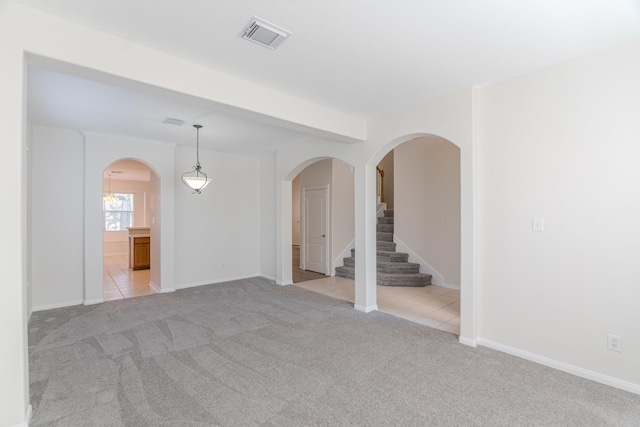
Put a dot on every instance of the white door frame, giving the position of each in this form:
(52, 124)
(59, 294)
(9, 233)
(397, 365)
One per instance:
(303, 231)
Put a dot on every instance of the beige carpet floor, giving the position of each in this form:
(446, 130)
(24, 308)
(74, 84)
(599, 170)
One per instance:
(250, 353)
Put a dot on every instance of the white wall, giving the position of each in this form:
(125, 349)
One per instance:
(28, 165)
(268, 216)
(562, 144)
(155, 229)
(14, 387)
(218, 232)
(427, 203)
(342, 212)
(319, 173)
(57, 216)
(295, 211)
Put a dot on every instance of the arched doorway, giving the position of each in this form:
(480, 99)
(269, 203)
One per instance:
(126, 237)
(322, 225)
(425, 220)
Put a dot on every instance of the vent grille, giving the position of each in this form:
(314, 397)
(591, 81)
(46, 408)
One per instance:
(264, 33)
(172, 121)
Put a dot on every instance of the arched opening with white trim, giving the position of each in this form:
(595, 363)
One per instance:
(466, 229)
(418, 239)
(126, 241)
(101, 151)
(322, 210)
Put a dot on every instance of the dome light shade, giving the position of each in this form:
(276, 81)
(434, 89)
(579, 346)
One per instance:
(196, 182)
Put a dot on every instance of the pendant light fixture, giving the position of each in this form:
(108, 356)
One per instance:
(196, 179)
(110, 197)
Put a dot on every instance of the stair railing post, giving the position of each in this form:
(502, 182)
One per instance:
(381, 184)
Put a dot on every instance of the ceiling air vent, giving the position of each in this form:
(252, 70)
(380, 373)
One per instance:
(264, 33)
(172, 121)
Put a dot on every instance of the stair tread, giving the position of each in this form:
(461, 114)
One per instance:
(386, 253)
(408, 275)
(389, 275)
(392, 268)
(408, 264)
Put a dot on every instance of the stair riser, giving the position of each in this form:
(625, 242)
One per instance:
(400, 280)
(384, 256)
(384, 237)
(388, 213)
(398, 268)
(395, 257)
(384, 228)
(346, 273)
(386, 246)
(385, 220)
(388, 267)
(414, 280)
(392, 258)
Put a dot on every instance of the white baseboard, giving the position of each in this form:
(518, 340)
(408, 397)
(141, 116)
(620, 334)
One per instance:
(93, 301)
(467, 341)
(561, 366)
(57, 305)
(266, 276)
(450, 286)
(284, 283)
(27, 418)
(366, 309)
(160, 290)
(425, 267)
(214, 281)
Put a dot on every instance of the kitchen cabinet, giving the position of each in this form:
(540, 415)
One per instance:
(141, 252)
(139, 248)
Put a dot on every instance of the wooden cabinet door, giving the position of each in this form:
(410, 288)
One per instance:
(141, 253)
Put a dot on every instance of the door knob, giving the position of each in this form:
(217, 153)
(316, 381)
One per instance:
(323, 235)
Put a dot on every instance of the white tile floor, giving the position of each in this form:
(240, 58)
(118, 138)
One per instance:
(432, 305)
(120, 282)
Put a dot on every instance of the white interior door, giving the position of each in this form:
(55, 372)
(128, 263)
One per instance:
(315, 230)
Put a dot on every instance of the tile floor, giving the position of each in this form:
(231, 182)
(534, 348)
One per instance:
(432, 305)
(120, 282)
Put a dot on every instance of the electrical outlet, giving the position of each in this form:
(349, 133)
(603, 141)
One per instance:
(614, 343)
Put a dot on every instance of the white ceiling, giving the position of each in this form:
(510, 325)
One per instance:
(362, 57)
(69, 102)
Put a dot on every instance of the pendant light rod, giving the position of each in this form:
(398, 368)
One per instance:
(198, 127)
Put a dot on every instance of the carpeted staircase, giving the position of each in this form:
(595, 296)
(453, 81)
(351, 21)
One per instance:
(393, 268)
